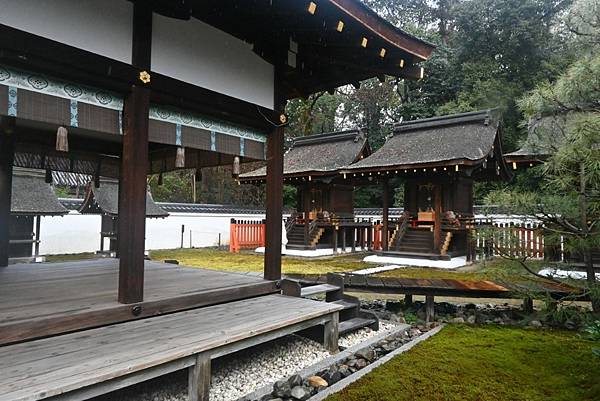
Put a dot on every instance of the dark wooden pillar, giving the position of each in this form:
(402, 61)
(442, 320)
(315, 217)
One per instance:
(335, 240)
(272, 270)
(6, 170)
(134, 167)
(386, 215)
(344, 240)
(38, 227)
(306, 207)
(132, 196)
(437, 225)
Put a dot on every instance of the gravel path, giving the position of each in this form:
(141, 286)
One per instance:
(242, 372)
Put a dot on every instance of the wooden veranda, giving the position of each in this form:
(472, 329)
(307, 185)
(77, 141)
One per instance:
(122, 89)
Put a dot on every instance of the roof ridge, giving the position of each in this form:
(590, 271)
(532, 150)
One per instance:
(440, 121)
(329, 137)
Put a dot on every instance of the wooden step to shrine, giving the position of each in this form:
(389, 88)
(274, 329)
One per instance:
(353, 317)
(354, 324)
(318, 289)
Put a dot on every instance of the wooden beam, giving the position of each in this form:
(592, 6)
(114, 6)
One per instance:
(6, 170)
(386, 214)
(134, 167)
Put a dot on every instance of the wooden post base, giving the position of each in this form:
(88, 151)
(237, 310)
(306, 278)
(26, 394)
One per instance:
(330, 334)
(408, 300)
(429, 308)
(528, 305)
(199, 378)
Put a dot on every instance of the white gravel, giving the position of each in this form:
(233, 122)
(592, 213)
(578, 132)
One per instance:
(361, 335)
(236, 375)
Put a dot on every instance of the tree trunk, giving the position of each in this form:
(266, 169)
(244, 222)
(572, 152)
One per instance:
(587, 251)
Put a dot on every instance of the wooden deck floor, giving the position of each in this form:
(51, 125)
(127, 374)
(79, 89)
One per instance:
(92, 362)
(38, 300)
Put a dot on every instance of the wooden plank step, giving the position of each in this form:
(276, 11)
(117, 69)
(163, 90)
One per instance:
(345, 304)
(318, 289)
(58, 365)
(354, 324)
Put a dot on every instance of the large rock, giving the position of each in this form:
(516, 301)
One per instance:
(301, 393)
(336, 377)
(471, 319)
(361, 363)
(366, 353)
(457, 320)
(535, 323)
(317, 382)
(282, 389)
(344, 370)
(295, 380)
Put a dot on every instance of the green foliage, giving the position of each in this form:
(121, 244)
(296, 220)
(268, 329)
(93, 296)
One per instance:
(176, 187)
(290, 197)
(582, 23)
(592, 331)
(62, 191)
(313, 115)
(577, 90)
(568, 202)
(464, 363)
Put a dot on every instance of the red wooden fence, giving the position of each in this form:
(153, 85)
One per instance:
(246, 234)
(509, 239)
(377, 237)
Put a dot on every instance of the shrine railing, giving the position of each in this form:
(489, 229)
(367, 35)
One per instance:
(246, 234)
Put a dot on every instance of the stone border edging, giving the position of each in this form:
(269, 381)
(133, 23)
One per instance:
(360, 373)
(333, 359)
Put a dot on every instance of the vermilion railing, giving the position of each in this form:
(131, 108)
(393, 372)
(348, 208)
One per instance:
(377, 237)
(246, 234)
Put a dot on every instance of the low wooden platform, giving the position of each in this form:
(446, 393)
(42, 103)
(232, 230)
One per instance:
(441, 287)
(38, 300)
(81, 365)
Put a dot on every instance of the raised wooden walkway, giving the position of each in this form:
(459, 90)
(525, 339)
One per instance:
(85, 364)
(37, 300)
(441, 287)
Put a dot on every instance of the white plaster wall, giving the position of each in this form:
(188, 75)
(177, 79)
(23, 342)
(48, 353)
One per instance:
(199, 54)
(205, 229)
(98, 26)
(78, 233)
(73, 233)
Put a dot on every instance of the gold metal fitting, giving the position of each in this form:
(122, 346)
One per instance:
(283, 118)
(144, 77)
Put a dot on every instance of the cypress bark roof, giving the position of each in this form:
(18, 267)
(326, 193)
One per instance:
(466, 138)
(105, 200)
(32, 196)
(320, 154)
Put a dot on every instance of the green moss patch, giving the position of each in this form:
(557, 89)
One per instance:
(246, 262)
(496, 269)
(464, 363)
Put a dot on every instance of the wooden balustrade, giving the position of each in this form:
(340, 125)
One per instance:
(246, 234)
